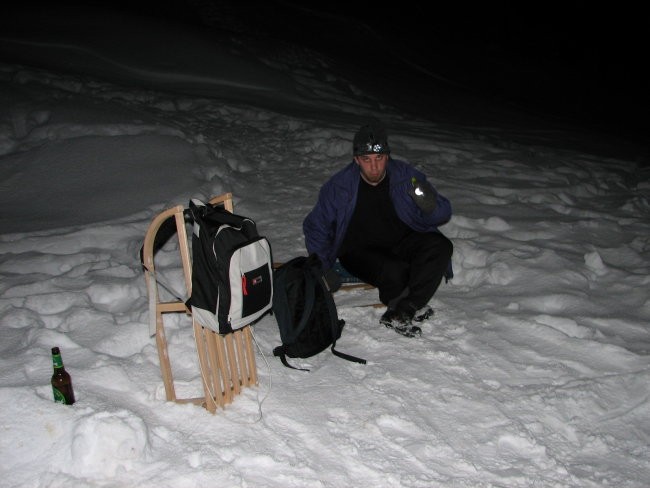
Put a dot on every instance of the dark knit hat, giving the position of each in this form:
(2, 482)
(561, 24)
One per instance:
(370, 139)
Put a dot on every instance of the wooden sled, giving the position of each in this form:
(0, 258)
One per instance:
(226, 362)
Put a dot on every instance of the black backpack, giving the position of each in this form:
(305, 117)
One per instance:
(305, 311)
(232, 269)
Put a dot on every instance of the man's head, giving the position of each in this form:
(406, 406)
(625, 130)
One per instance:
(371, 150)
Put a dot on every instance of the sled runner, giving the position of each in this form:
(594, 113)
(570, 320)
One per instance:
(226, 361)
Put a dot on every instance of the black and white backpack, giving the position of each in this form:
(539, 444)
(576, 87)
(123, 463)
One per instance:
(232, 269)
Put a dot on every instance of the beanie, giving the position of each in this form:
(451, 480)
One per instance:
(370, 139)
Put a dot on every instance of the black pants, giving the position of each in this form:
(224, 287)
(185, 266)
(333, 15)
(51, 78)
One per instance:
(413, 269)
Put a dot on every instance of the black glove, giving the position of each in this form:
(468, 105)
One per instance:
(424, 195)
(333, 279)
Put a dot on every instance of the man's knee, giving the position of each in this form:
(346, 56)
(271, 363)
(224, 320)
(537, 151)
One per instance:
(438, 246)
(394, 272)
(447, 247)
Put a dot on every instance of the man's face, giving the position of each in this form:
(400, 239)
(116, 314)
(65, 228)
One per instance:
(373, 167)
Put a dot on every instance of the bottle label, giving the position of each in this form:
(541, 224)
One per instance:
(56, 359)
(58, 396)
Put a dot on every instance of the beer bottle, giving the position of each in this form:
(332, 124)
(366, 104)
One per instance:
(61, 382)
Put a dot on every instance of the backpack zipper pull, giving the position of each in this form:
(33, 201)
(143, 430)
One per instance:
(244, 285)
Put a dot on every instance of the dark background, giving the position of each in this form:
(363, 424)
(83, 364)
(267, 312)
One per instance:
(573, 62)
(579, 61)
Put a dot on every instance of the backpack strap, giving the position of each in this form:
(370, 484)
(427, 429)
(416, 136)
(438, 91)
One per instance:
(347, 357)
(310, 297)
(279, 352)
(337, 324)
(280, 295)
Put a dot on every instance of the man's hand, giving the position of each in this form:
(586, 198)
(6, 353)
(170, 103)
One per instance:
(424, 195)
(333, 279)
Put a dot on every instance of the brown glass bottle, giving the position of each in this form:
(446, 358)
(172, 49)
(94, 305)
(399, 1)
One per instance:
(61, 382)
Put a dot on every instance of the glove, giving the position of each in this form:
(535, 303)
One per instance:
(333, 279)
(424, 195)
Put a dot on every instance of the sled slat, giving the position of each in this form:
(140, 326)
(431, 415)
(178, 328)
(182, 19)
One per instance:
(172, 307)
(222, 375)
(232, 364)
(241, 359)
(251, 367)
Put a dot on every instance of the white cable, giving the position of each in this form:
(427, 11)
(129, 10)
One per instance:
(268, 366)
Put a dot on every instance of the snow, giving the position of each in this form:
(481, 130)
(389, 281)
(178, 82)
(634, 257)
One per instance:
(534, 371)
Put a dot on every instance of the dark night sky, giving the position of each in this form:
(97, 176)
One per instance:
(572, 60)
(577, 60)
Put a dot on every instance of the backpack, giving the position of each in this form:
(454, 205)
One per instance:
(305, 311)
(232, 269)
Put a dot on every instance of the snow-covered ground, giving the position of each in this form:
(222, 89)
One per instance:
(534, 371)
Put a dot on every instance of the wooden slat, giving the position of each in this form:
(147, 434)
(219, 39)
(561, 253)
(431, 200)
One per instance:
(224, 374)
(250, 355)
(242, 370)
(214, 372)
(210, 397)
(164, 307)
(163, 358)
(233, 377)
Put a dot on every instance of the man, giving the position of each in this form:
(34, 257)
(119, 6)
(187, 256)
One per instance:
(379, 216)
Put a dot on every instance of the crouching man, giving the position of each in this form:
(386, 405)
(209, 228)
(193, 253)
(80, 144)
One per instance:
(379, 217)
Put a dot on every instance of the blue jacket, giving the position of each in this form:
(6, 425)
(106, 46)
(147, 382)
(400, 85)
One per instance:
(325, 226)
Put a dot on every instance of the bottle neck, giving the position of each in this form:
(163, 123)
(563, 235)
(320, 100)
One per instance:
(57, 361)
